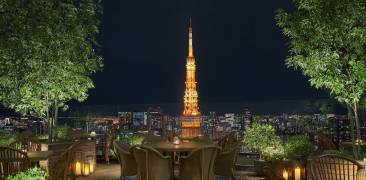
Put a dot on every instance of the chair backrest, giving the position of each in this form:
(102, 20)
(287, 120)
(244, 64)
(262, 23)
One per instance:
(126, 159)
(59, 169)
(270, 174)
(333, 167)
(151, 164)
(324, 142)
(12, 161)
(226, 141)
(199, 164)
(225, 162)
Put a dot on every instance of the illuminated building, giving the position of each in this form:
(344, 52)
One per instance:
(191, 118)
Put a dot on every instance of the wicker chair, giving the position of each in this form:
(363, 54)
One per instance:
(333, 167)
(225, 162)
(270, 174)
(12, 161)
(59, 170)
(199, 164)
(151, 164)
(226, 142)
(325, 143)
(126, 160)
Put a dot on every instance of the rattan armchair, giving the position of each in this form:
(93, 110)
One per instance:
(60, 169)
(333, 167)
(199, 164)
(225, 162)
(151, 164)
(226, 142)
(12, 161)
(126, 159)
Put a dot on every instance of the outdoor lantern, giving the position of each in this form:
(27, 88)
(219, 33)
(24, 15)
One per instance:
(86, 169)
(285, 174)
(176, 140)
(297, 173)
(92, 166)
(77, 168)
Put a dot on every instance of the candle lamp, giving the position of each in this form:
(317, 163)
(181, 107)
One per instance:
(297, 173)
(77, 168)
(285, 174)
(92, 166)
(176, 140)
(86, 169)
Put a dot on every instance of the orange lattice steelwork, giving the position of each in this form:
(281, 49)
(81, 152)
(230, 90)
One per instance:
(191, 108)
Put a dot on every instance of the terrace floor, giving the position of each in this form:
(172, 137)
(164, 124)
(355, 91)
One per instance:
(112, 172)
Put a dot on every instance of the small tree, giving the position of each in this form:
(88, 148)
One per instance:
(47, 54)
(327, 42)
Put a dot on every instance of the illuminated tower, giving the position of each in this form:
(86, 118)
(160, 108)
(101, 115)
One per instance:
(190, 93)
(191, 119)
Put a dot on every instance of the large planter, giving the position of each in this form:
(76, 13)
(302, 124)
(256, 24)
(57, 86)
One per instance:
(258, 167)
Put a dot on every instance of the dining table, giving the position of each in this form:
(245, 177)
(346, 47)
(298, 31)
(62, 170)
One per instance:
(176, 150)
(183, 146)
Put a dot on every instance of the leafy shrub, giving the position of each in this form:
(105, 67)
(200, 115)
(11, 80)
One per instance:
(42, 137)
(273, 153)
(298, 145)
(7, 139)
(131, 139)
(33, 173)
(62, 132)
(263, 138)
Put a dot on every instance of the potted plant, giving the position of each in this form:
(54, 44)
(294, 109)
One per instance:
(263, 139)
(298, 147)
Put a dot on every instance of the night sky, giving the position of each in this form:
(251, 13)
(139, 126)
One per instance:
(239, 52)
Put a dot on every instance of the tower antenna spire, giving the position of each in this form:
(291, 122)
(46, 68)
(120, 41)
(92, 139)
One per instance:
(190, 21)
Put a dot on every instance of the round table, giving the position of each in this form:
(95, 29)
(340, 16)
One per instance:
(166, 146)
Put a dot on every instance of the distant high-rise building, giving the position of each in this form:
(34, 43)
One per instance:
(155, 120)
(139, 119)
(247, 118)
(191, 118)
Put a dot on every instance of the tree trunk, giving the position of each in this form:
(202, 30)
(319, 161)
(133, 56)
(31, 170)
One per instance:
(55, 113)
(358, 130)
(48, 119)
(352, 125)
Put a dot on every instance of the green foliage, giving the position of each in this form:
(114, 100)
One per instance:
(327, 43)
(273, 153)
(6, 140)
(33, 173)
(43, 137)
(298, 145)
(327, 40)
(62, 132)
(131, 139)
(47, 53)
(263, 138)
